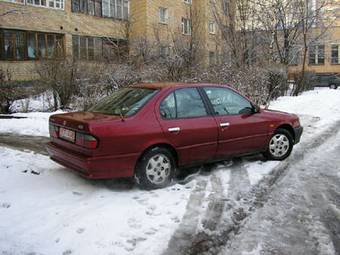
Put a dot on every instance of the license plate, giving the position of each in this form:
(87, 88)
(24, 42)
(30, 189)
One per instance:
(67, 134)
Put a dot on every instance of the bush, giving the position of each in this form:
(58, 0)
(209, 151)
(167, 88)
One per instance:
(303, 82)
(59, 76)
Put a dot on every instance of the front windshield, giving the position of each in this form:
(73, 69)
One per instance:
(126, 101)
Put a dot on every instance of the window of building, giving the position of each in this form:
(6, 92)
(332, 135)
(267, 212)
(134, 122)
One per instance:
(56, 4)
(317, 55)
(96, 48)
(163, 15)
(294, 55)
(15, 1)
(164, 50)
(188, 1)
(212, 27)
(106, 8)
(25, 45)
(212, 58)
(186, 26)
(335, 54)
(225, 7)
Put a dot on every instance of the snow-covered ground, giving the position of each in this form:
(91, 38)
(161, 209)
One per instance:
(48, 210)
(33, 123)
(45, 209)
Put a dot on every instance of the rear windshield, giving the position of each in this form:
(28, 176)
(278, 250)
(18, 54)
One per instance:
(126, 101)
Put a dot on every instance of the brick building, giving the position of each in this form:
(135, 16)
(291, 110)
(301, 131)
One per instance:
(93, 29)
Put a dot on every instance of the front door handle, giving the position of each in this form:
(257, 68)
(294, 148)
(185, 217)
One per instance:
(174, 129)
(224, 124)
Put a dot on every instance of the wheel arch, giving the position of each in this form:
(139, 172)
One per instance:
(289, 128)
(167, 146)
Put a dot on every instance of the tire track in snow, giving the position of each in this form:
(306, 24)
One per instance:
(246, 202)
(215, 205)
(187, 228)
(215, 226)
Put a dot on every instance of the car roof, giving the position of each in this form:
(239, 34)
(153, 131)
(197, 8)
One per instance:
(163, 85)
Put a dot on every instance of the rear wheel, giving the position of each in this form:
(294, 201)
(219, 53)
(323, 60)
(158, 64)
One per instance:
(280, 145)
(333, 86)
(156, 169)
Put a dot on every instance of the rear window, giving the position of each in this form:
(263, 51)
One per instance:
(126, 101)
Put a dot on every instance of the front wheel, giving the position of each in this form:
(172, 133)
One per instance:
(156, 169)
(280, 145)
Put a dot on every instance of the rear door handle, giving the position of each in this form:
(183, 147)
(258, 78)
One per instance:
(224, 124)
(174, 129)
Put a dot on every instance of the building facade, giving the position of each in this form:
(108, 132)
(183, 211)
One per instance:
(323, 56)
(92, 30)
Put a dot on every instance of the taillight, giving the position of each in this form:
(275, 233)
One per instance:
(87, 141)
(54, 130)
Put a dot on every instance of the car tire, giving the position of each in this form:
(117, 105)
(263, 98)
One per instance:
(280, 145)
(156, 169)
(333, 86)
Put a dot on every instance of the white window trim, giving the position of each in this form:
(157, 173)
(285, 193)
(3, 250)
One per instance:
(187, 1)
(115, 3)
(62, 2)
(338, 46)
(213, 31)
(14, 2)
(316, 54)
(186, 21)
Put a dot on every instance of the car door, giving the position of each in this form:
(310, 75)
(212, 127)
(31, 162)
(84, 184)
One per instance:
(188, 126)
(241, 130)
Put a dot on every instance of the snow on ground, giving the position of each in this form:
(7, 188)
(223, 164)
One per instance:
(256, 170)
(34, 123)
(37, 103)
(46, 209)
(320, 103)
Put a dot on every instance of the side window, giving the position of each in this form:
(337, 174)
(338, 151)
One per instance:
(226, 101)
(189, 103)
(168, 107)
(183, 103)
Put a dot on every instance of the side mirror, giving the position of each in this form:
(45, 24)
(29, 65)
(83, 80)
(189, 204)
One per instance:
(256, 109)
(247, 111)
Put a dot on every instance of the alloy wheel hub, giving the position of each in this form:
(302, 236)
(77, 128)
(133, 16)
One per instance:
(158, 169)
(279, 145)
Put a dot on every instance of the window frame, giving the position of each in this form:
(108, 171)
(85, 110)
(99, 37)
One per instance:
(315, 51)
(212, 24)
(186, 26)
(187, 1)
(26, 34)
(107, 8)
(166, 15)
(47, 4)
(202, 97)
(337, 47)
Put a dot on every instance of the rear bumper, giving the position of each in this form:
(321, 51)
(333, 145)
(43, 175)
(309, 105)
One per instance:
(92, 167)
(297, 134)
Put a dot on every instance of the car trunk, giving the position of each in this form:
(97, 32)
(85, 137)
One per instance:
(75, 131)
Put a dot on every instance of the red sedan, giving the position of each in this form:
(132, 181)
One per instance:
(149, 130)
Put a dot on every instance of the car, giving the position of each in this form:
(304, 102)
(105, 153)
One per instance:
(147, 131)
(327, 80)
